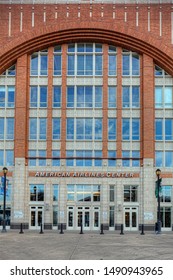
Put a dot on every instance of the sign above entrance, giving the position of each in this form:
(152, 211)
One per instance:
(85, 174)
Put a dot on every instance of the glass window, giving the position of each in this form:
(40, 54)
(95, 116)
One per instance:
(112, 97)
(57, 65)
(39, 63)
(166, 194)
(43, 97)
(159, 129)
(42, 129)
(159, 158)
(130, 193)
(168, 129)
(135, 129)
(36, 192)
(56, 96)
(11, 96)
(98, 97)
(9, 161)
(56, 128)
(70, 128)
(111, 216)
(168, 159)
(56, 158)
(70, 193)
(34, 64)
(43, 64)
(168, 97)
(70, 158)
(112, 158)
(32, 157)
(87, 57)
(166, 217)
(130, 63)
(98, 158)
(55, 192)
(9, 128)
(135, 97)
(126, 158)
(2, 96)
(135, 158)
(158, 97)
(70, 96)
(1, 157)
(33, 96)
(126, 129)
(41, 157)
(1, 128)
(41, 133)
(111, 193)
(111, 129)
(135, 64)
(112, 64)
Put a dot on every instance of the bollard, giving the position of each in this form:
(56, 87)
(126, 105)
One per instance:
(142, 229)
(101, 232)
(121, 230)
(61, 229)
(81, 229)
(21, 228)
(41, 229)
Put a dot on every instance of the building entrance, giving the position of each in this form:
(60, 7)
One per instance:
(36, 217)
(88, 217)
(131, 218)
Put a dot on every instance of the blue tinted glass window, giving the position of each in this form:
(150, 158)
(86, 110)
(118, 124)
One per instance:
(11, 96)
(57, 65)
(135, 97)
(98, 65)
(112, 158)
(9, 157)
(98, 158)
(168, 129)
(34, 64)
(70, 128)
(126, 65)
(56, 96)
(41, 156)
(135, 64)
(33, 96)
(70, 160)
(112, 97)
(43, 65)
(56, 129)
(98, 97)
(126, 129)
(2, 96)
(43, 97)
(159, 158)
(158, 97)
(169, 159)
(98, 129)
(126, 158)
(159, 129)
(112, 64)
(135, 129)
(32, 158)
(43, 130)
(70, 96)
(71, 64)
(55, 158)
(33, 129)
(10, 128)
(126, 97)
(112, 129)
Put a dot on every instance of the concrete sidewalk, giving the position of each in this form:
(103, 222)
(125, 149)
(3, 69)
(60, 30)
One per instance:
(88, 246)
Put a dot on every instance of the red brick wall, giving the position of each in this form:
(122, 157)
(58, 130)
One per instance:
(101, 26)
(107, 23)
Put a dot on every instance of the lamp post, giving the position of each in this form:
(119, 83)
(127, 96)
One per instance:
(5, 170)
(158, 173)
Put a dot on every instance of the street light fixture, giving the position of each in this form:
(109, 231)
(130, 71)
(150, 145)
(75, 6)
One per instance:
(5, 170)
(158, 173)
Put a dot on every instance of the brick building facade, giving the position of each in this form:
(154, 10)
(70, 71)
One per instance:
(86, 113)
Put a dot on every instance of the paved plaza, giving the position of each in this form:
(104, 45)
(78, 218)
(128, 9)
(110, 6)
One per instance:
(51, 245)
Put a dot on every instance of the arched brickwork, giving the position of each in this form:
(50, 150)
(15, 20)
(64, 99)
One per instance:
(119, 36)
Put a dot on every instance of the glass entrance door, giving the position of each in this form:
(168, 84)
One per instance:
(36, 217)
(83, 217)
(131, 218)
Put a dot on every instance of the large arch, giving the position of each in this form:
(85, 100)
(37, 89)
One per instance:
(124, 37)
